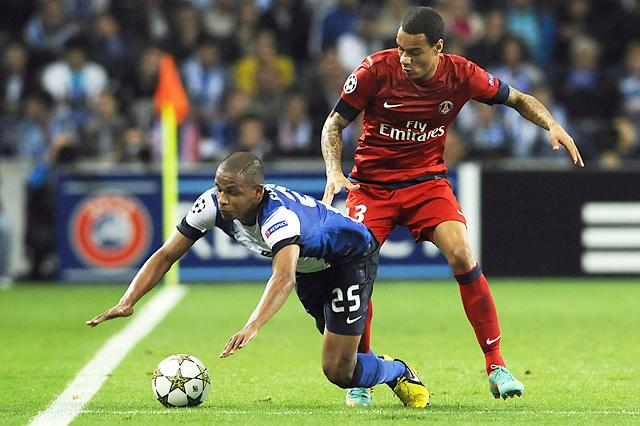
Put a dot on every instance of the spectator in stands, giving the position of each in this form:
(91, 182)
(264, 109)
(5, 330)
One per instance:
(462, 23)
(138, 89)
(486, 52)
(135, 148)
(48, 31)
(252, 137)
(591, 96)
(269, 99)
(84, 12)
(515, 68)
(245, 33)
(186, 32)
(627, 125)
(536, 27)
(49, 141)
(392, 12)
(16, 78)
(353, 47)
(601, 20)
(529, 140)
(39, 127)
(484, 132)
(109, 46)
(225, 131)
(339, 20)
(323, 86)
(103, 134)
(249, 70)
(290, 21)
(220, 20)
(205, 79)
(75, 82)
(295, 129)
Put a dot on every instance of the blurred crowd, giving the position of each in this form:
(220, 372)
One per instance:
(77, 77)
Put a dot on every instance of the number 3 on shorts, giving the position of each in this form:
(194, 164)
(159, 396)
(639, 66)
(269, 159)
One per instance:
(358, 215)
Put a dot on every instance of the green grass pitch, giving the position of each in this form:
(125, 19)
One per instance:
(574, 343)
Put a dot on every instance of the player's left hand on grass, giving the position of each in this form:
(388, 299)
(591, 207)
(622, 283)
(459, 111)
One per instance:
(559, 136)
(115, 312)
(238, 341)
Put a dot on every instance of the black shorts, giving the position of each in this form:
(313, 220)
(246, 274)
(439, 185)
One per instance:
(340, 295)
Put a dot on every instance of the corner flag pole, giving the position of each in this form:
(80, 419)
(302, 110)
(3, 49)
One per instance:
(172, 103)
(169, 181)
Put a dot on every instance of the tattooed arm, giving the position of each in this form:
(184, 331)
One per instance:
(532, 109)
(331, 142)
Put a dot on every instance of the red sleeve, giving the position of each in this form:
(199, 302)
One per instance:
(360, 86)
(483, 86)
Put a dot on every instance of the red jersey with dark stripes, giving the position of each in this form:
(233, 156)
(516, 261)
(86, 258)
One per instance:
(406, 121)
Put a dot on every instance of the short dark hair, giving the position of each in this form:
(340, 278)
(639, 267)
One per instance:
(246, 165)
(424, 20)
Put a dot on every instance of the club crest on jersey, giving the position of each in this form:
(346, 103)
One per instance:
(351, 83)
(445, 107)
(492, 79)
(275, 227)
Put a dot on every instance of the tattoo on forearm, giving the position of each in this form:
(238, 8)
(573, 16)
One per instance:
(331, 141)
(532, 109)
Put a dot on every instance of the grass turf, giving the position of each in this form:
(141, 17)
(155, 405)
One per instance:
(575, 344)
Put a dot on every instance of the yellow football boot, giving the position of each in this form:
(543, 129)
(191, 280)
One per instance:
(409, 388)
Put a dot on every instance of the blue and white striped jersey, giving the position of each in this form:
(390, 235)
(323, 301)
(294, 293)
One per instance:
(326, 237)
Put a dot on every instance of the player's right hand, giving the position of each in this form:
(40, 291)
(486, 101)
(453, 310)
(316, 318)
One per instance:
(115, 312)
(335, 182)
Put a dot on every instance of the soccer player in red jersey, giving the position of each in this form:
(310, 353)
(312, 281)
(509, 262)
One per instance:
(408, 98)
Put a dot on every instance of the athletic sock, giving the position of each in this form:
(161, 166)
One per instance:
(371, 370)
(481, 312)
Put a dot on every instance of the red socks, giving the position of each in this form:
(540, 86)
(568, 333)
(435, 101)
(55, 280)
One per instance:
(481, 312)
(365, 341)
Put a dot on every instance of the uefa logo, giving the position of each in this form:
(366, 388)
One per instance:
(110, 230)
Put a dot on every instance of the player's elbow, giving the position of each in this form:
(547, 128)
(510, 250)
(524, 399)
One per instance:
(166, 257)
(286, 281)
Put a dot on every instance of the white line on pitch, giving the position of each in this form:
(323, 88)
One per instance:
(323, 411)
(89, 380)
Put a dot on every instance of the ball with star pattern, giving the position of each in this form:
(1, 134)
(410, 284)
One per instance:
(181, 380)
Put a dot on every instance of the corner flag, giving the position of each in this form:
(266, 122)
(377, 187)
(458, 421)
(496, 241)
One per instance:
(172, 103)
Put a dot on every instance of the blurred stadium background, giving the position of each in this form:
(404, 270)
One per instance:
(80, 143)
(81, 201)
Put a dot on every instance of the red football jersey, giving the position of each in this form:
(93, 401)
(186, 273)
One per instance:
(405, 121)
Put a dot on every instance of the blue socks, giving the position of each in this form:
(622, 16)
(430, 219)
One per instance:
(371, 370)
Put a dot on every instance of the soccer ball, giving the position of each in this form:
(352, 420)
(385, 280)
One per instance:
(181, 380)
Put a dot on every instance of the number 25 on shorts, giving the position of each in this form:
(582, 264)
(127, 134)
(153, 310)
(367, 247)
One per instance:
(358, 214)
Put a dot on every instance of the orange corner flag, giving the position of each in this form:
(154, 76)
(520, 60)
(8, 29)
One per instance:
(170, 89)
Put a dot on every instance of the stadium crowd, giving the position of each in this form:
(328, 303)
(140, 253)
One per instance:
(77, 78)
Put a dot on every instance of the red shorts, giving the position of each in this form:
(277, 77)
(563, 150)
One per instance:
(419, 207)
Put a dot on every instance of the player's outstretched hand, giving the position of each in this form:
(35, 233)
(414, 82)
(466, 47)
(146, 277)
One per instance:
(115, 312)
(559, 136)
(335, 182)
(238, 341)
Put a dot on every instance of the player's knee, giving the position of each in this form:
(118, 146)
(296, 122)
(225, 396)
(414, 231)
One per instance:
(338, 371)
(461, 259)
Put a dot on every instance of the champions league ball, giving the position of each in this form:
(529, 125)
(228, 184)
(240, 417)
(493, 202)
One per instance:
(181, 381)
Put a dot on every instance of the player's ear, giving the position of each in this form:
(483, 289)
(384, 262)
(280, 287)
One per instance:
(438, 46)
